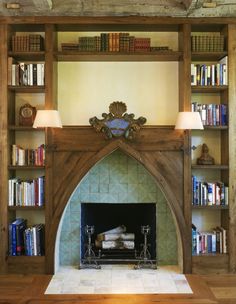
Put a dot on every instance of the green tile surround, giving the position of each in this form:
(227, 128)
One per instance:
(118, 178)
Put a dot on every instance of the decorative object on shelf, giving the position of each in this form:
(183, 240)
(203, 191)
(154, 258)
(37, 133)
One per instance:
(89, 260)
(117, 123)
(145, 260)
(189, 120)
(205, 158)
(47, 118)
(27, 115)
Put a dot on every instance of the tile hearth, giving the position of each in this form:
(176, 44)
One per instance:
(118, 279)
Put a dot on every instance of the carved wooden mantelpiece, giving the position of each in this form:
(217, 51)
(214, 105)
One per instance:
(77, 149)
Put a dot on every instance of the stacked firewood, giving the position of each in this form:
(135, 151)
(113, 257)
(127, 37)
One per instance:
(116, 238)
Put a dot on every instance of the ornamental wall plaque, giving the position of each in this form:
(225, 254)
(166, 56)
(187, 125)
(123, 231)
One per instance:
(117, 122)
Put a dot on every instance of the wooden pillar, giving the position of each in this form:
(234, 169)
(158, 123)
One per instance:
(185, 105)
(232, 146)
(3, 150)
(50, 103)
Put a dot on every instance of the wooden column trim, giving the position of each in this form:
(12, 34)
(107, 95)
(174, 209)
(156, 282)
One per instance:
(185, 105)
(3, 150)
(232, 146)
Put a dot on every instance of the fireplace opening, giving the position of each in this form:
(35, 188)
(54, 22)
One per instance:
(126, 221)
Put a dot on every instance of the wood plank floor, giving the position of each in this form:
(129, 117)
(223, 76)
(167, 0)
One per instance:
(29, 289)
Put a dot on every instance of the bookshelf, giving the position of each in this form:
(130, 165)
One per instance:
(57, 30)
(207, 217)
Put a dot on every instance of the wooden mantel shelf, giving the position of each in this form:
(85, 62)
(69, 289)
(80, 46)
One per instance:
(109, 56)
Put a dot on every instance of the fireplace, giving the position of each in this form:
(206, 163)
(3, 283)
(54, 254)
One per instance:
(128, 216)
(118, 191)
(86, 167)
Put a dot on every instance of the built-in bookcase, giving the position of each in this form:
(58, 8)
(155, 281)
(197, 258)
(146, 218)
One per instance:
(211, 218)
(68, 30)
(26, 60)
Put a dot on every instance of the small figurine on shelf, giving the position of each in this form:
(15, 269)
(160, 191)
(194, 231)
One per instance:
(205, 158)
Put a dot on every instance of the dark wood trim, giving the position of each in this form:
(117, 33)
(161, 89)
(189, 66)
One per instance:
(208, 89)
(27, 89)
(25, 208)
(3, 149)
(211, 167)
(232, 147)
(107, 20)
(100, 56)
(26, 167)
(214, 207)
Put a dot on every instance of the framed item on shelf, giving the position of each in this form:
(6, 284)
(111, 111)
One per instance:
(27, 115)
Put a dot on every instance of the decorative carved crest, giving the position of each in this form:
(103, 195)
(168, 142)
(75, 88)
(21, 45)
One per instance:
(117, 123)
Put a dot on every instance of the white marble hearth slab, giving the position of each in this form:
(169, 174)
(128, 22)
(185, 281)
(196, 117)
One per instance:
(118, 279)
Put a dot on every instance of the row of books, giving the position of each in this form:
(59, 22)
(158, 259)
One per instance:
(209, 193)
(27, 43)
(112, 42)
(28, 157)
(25, 74)
(207, 43)
(25, 240)
(210, 74)
(214, 241)
(26, 193)
(212, 114)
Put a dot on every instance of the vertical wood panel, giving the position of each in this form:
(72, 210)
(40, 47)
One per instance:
(185, 105)
(50, 103)
(3, 149)
(232, 146)
(185, 68)
(50, 67)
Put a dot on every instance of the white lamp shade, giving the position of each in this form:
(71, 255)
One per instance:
(189, 120)
(47, 118)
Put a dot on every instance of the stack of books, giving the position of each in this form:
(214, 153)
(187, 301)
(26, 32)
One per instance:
(212, 114)
(25, 74)
(210, 242)
(27, 43)
(209, 193)
(210, 74)
(70, 46)
(28, 157)
(26, 193)
(207, 43)
(26, 241)
(113, 42)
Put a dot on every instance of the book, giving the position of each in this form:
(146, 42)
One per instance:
(16, 230)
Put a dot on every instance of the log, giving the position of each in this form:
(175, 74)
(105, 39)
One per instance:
(119, 229)
(115, 244)
(116, 237)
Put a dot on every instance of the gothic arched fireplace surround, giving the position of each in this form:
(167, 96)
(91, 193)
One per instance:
(73, 151)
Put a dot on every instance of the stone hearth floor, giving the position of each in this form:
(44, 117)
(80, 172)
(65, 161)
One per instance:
(118, 279)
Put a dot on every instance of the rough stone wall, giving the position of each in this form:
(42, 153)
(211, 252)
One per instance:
(174, 8)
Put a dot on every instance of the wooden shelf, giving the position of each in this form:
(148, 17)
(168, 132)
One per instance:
(211, 167)
(216, 128)
(112, 56)
(24, 128)
(210, 263)
(25, 208)
(26, 264)
(208, 56)
(208, 89)
(214, 207)
(27, 89)
(26, 167)
(32, 56)
(213, 255)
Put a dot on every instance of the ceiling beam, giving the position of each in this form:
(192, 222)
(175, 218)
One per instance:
(187, 3)
(43, 4)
